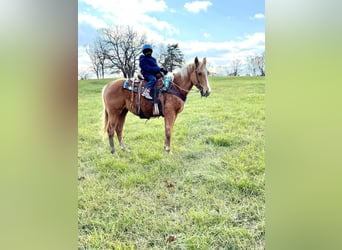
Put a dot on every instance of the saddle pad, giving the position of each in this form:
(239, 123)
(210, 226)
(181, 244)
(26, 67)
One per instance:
(128, 85)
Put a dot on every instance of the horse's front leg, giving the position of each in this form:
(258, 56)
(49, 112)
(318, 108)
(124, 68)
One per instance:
(169, 122)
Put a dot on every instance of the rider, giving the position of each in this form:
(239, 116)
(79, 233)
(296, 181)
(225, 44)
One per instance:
(149, 69)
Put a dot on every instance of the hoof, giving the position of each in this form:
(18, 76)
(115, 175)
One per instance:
(112, 151)
(125, 149)
(168, 150)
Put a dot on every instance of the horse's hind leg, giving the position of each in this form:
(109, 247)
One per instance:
(113, 121)
(119, 128)
(110, 139)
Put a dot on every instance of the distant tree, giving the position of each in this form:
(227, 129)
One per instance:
(251, 65)
(261, 64)
(83, 74)
(171, 57)
(97, 54)
(122, 47)
(256, 64)
(235, 65)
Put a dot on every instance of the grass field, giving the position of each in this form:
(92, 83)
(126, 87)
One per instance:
(209, 194)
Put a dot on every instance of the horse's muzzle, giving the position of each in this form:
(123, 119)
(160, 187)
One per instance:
(205, 93)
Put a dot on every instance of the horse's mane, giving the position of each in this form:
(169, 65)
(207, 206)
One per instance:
(185, 71)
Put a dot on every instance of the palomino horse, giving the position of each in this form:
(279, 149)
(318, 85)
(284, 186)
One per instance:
(117, 101)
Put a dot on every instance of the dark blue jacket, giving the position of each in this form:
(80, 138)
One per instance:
(148, 65)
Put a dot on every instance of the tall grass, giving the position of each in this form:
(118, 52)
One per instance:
(209, 194)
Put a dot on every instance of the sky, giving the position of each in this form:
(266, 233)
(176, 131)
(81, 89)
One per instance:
(220, 30)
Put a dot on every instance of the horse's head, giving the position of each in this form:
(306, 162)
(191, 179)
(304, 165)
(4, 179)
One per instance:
(199, 77)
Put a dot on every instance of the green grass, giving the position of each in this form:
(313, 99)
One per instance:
(209, 194)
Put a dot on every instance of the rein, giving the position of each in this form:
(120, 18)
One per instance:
(176, 92)
(187, 91)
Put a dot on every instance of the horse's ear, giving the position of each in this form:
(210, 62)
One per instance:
(204, 60)
(196, 61)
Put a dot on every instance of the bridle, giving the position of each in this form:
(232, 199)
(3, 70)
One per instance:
(198, 84)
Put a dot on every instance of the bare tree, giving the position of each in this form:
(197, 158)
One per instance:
(83, 74)
(253, 65)
(261, 63)
(97, 54)
(250, 65)
(235, 65)
(122, 49)
(94, 61)
(256, 64)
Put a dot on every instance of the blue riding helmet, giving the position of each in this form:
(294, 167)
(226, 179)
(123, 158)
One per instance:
(147, 46)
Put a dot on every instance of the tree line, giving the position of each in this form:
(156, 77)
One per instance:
(255, 66)
(116, 51)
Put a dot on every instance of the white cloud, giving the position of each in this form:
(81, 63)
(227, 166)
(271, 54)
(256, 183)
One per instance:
(160, 25)
(206, 35)
(127, 8)
(222, 53)
(92, 20)
(258, 16)
(257, 41)
(254, 41)
(133, 13)
(197, 6)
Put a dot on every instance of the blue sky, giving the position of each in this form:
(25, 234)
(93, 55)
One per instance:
(221, 30)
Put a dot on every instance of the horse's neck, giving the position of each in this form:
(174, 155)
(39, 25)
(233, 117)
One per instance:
(183, 82)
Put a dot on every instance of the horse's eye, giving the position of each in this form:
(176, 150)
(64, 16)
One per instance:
(199, 73)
